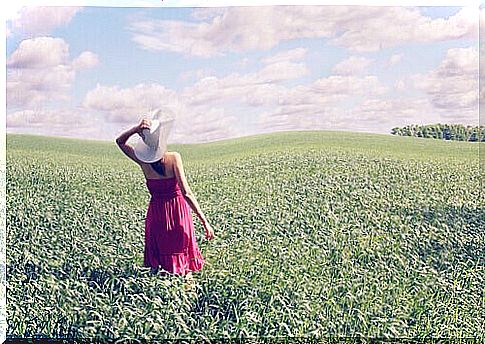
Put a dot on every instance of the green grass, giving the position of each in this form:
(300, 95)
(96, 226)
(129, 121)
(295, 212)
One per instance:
(318, 233)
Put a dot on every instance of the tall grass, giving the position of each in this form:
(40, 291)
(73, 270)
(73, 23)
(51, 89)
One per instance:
(317, 233)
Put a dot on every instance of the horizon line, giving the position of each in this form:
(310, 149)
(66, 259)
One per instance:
(212, 141)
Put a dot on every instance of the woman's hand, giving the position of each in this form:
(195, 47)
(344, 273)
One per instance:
(136, 129)
(144, 124)
(209, 232)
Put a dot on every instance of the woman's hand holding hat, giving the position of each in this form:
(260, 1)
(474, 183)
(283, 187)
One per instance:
(153, 131)
(144, 124)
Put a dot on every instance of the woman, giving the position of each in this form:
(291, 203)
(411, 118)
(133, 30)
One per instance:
(169, 230)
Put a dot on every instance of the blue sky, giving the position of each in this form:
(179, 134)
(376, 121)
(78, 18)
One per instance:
(234, 71)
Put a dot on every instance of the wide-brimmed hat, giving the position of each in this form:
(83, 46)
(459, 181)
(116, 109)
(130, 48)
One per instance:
(153, 145)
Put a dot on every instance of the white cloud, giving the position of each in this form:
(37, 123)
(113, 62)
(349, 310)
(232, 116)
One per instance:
(196, 74)
(40, 70)
(395, 59)
(349, 85)
(323, 92)
(40, 20)
(301, 117)
(450, 96)
(125, 106)
(212, 124)
(245, 62)
(26, 87)
(128, 104)
(400, 85)
(211, 91)
(352, 66)
(405, 110)
(44, 117)
(293, 55)
(381, 115)
(85, 60)
(453, 85)
(387, 27)
(317, 105)
(67, 122)
(358, 28)
(278, 72)
(371, 115)
(459, 61)
(40, 52)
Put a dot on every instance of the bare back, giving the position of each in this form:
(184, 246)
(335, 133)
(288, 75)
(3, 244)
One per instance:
(168, 162)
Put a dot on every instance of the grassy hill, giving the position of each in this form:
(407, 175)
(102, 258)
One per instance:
(318, 233)
(395, 146)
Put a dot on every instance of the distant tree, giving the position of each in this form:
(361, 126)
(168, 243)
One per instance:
(407, 130)
(458, 132)
(425, 132)
(473, 136)
(446, 132)
(439, 132)
(468, 132)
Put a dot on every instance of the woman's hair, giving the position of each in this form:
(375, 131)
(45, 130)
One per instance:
(159, 167)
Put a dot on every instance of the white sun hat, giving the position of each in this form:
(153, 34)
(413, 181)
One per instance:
(153, 145)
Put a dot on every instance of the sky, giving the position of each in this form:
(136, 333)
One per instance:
(229, 71)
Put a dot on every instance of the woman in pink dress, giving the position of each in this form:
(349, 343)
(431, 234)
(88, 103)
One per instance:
(170, 242)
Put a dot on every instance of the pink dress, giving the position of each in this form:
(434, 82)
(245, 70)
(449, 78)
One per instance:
(169, 230)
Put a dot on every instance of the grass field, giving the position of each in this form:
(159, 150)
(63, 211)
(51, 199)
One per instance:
(317, 234)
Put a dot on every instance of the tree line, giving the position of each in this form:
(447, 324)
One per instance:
(457, 132)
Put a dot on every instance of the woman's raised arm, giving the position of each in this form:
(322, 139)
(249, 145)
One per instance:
(121, 140)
